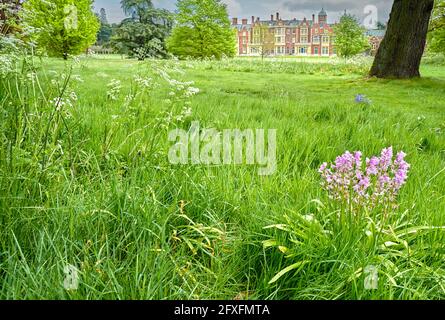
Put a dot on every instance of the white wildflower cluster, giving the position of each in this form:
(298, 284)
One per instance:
(141, 53)
(185, 114)
(73, 96)
(169, 117)
(59, 81)
(31, 76)
(191, 91)
(77, 78)
(67, 97)
(61, 103)
(6, 65)
(114, 89)
(9, 9)
(129, 98)
(179, 90)
(76, 60)
(142, 82)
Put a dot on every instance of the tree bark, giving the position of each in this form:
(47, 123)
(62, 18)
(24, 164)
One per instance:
(401, 50)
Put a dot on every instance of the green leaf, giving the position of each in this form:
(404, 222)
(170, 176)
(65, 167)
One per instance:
(286, 270)
(278, 226)
(269, 243)
(416, 230)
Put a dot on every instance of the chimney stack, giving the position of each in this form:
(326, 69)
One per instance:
(234, 21)
(253, 19)
(278, 16)
(244, 22)
(313, 18)
(258, 19)
(271, 17)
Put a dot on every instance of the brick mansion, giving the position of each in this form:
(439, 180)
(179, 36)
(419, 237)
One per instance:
(278, 37)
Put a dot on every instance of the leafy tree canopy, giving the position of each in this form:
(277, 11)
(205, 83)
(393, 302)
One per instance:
(61, 27)
(350, 37)
(144, 33)
(105, 31)
(203, 30)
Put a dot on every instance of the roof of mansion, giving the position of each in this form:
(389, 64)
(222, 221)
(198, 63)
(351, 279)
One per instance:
(278, 22)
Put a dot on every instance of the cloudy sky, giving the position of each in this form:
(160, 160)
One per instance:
(288, 9)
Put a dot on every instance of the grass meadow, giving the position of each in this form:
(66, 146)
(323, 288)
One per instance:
(85, 181)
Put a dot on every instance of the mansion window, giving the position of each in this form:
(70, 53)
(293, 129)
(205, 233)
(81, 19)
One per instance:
(303, 50)
(325, 39)
(316, 39)
(280, 50)
(303, 31)
(303, 39)
(280, 31)
(316, 50)
(325, 50)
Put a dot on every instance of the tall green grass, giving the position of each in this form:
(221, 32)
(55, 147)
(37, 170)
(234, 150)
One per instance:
(89, 185)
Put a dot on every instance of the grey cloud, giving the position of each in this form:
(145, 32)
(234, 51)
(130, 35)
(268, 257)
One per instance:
(355, 7)
(289, 9)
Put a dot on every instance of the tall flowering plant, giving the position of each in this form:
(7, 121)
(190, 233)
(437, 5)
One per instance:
(375, 182)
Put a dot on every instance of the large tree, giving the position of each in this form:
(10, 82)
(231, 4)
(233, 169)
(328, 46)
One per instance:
(143, 34)
(401, 50)
(350, 37)
(62, 27)
(105, 31)
(203, 30)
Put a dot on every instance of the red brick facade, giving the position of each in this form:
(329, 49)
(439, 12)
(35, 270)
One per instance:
(275, 37)
(285, 37)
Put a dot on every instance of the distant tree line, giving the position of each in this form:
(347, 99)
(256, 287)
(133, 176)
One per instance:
(201, 29)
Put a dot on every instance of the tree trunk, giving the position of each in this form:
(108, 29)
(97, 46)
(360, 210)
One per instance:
(401, 50)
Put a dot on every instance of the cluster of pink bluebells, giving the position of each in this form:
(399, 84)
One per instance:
(377, 182)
